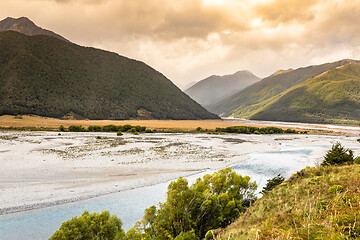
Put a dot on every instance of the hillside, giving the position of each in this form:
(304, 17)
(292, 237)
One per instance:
(243, 104)
(26, 26)
(306, 206)
(215, 88)
(333, 96)
(45, 76)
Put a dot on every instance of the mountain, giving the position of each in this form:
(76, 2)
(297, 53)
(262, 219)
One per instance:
(252, 99)
(333, 97)
(216, 88)
(26, 26)
(45, 76)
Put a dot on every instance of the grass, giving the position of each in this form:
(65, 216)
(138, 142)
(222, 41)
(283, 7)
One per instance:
(305, 207)
(27, 122)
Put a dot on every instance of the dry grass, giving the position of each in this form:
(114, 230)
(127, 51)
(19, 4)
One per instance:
(37, 121)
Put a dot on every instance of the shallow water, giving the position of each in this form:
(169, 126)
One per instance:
(289, 157)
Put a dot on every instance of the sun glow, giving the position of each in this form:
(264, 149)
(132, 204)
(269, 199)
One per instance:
(214, 2)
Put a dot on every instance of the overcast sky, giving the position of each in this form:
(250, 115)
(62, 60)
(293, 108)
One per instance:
(188, 40)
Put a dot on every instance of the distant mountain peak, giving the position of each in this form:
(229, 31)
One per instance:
(26, 26)
(214, 88)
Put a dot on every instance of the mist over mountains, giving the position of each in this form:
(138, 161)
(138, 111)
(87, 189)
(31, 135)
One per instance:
(215, 88)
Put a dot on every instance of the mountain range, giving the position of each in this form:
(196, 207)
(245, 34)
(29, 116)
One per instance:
(44, 74)
(321, 93)
(215, 88)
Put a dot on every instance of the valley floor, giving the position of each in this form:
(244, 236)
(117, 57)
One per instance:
(40, 169)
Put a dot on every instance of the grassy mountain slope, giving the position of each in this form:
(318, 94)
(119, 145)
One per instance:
(304, 207)
(216, 88)
(333, 96)
(267, 88)
(46, 76)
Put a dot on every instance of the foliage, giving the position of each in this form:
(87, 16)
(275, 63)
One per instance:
(335, 189)
(272, 183)
(254, 130)
(357, 160)
(49, 77)
(77, 128)
(303, 208)
(211, 202)
(338, 155)
(108, 128)
(62, 128)
(91, 226)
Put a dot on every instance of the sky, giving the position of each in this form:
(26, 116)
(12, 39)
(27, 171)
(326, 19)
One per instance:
(189, 40)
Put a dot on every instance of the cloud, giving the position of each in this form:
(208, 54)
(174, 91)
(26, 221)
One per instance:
(188, 40)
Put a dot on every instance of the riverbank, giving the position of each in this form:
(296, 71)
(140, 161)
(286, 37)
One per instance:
(41, 169)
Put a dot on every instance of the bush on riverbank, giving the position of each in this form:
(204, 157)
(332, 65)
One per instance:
(255, 130)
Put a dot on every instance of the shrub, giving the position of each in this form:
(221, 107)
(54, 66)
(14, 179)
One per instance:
(338, 155)
(272, 183)
(98, 137)
(91, 226)
(357, 160)
(62, 128)
(136, 133)
(119, 133)
(77, 128)
(94, 129)
(211, 202)
(335, 189)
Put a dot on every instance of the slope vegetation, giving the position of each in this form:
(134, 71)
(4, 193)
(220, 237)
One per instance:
(46, 76)
(333, 96)
(313, 204)
(248, 101)
(215, 88)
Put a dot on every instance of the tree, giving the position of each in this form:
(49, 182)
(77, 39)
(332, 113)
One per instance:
(91, 226)
(211, 202)
(338, 155)
(272, 183)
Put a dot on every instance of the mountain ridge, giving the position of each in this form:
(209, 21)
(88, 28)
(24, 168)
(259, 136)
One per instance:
(214, 88)
(27, 27)
(243, 103)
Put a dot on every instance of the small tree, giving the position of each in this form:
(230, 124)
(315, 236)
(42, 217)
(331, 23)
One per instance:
(272, 183)
(338, 155)
(91, 226)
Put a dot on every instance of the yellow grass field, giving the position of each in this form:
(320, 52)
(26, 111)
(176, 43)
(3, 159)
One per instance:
(37, 121)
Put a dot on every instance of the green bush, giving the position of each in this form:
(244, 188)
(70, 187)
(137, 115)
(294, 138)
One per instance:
(211, 202)
(94, 129)
(190, 235)
(62, 128)
(335, 189)
(77, 128)
(119, 133)
(272, 183)
(91, 226)
(338, 155)
(357, 160)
